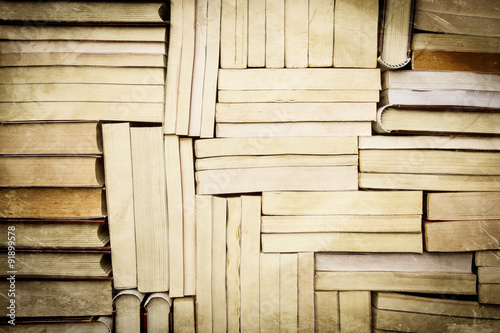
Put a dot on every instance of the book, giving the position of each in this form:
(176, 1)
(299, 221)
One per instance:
(157, 307)
(342, 223)
(297, 96)
(52, 202)
(429, 162)
(172, 77)
(80, 11)
(443, 142)
(188, 214)
(203, 310)
(469, 98)
(455, 43)
(428, 182)
(57, 233)
(487, 258)
(33, 32)
(233, 262)
(297, 34)
(445, 120)
(463, 206)
(326, 310)
(59, 263)
(229, 162)
(305, 294)
(275, 33)
(488, 274)
(57, 171)
(433, 305)
(128, 310)
(320, 31)
(458, 236)
(186, 68)
(234, 34)
(355, 311)
(297, 129)
(80, 92)
(275, 146)
(345, 203)
(150, 208)
(103, 324)
(270, 292)
(293, 112)
(395, 262)
(120, 203)
(304, 79)
(288, 295)
(489, 293)
(183, 315)
(250, 263)
(67, 74)
(82, 59)
(320, 178)
(60, 298)
(256, 47)
(418, 282)
(174, 215)
(455, 61)
(219, 262)
(355, 34)
(468, 17)
(439, 80)
(342, 242)
(80, 47)
(200, 48)
(51, 138)
(211, 69)
(395, 33)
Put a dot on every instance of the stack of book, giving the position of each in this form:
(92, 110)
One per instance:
(488, 268)
(429, 163)
(437, 101)
(245, 165)
(296, 102)
(409, 313)
(342, 221)
(462, 221)
(456, 36)
(55, 253)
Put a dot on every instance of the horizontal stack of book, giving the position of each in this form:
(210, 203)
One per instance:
(488, 267)
(55, 251)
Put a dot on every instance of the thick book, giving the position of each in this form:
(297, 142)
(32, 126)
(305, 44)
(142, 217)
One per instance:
(487, 258)
(52, 202)
(463, 206)
(183, 315)
(82, 12)
(455, 43)
(57, 233)
(395, 262)
(58, 263)
(464, 120)
(417, 282)
(60, 298)
(355, 34)
(51, 138)
(442, 142)
(455, 61)
(51, 171)
(128, 311)
(459, 236)
(102, 324)
(120, 203)
(355, 311)
(158, 309)
(150, 208)
(395, 33)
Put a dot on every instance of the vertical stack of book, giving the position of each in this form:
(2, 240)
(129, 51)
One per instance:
(55, 256)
